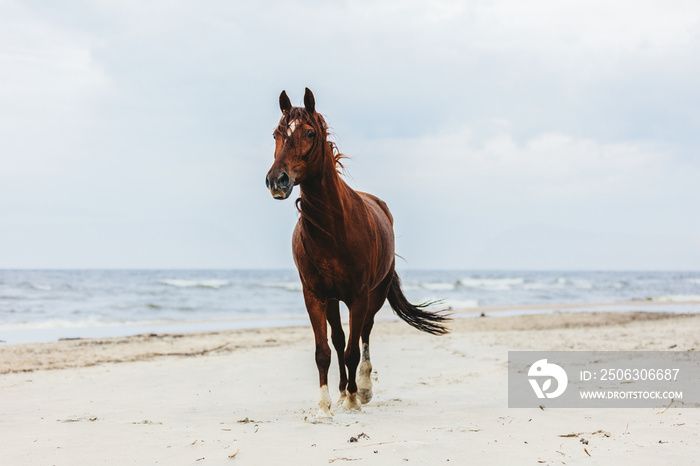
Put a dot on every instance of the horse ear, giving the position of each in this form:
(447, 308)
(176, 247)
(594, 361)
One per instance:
(285, 103)
(309, 102)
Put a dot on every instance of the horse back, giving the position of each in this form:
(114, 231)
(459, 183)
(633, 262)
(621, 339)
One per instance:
(373, 201)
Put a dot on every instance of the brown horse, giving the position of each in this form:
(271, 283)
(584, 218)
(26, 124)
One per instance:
(343, 247)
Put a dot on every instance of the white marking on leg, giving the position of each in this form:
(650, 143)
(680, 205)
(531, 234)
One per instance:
(364, 376)
(364, 382)
(351, 402)
(324, 404)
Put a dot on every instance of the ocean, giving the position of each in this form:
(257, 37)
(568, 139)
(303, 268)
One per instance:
(46, 305)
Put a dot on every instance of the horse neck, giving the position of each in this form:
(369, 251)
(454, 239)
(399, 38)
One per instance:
(323, 199)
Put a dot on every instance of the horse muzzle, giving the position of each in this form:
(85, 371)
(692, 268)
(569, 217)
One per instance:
(280, 184)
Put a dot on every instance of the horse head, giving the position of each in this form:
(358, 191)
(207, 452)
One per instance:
(300, 139)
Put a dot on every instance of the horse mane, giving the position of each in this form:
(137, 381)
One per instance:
(307, 204)
(319, 123)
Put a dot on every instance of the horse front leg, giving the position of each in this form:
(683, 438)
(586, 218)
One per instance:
(338, 339)
(317, 314)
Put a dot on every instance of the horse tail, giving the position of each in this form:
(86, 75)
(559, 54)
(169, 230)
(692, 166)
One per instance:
(415, 315)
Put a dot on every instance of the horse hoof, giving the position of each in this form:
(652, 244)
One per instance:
(343, 395)
(351, 403)
(365, 395)
(323, 414)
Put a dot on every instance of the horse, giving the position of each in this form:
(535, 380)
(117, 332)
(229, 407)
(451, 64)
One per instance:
(343, 248)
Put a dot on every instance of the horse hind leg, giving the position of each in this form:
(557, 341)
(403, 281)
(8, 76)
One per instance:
(364, 376)
(364, 379)
(358, 313)
(360, 382)
(352, 358)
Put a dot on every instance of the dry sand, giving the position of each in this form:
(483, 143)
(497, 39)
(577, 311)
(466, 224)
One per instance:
(248, 397)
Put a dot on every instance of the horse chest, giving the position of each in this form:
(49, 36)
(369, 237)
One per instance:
(330, 274)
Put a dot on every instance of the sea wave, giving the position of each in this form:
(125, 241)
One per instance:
(582, 284)
(205, 283)
(676, 298)
(432, 286)
(460, 304)
(618, 285)
(536, 286)
(491, 284)
(100, 322)
(440, 303)
(289, 286)
(64, 323)
(39, 287)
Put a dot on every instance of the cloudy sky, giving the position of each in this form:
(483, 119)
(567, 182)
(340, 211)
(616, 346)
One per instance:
(502, 134)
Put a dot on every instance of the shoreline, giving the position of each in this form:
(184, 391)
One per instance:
(25, 333)
(85, 352)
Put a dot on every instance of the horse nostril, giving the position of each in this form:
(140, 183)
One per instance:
(267, 182)
(283, 180)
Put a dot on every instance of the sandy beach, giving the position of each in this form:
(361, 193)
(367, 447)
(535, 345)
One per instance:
(249, 397)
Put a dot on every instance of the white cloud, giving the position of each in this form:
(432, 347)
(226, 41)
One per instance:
(549, 163)
(589, 36)
(47, 80)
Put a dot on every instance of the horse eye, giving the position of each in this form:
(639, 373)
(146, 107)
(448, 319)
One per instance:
(310, 134)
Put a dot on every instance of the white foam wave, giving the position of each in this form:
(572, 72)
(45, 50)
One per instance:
(289, 286)
(180, 283)
(62, 323)
(40, 287)
(438, 286)
(618, 285)
(439, 303)
(676, 298)
(565, 283)
(491, 284)
(694, 280)
(536, 286)
(583, 284)
(460, 304)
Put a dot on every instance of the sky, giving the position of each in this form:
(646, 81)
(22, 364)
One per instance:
(541, 135)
